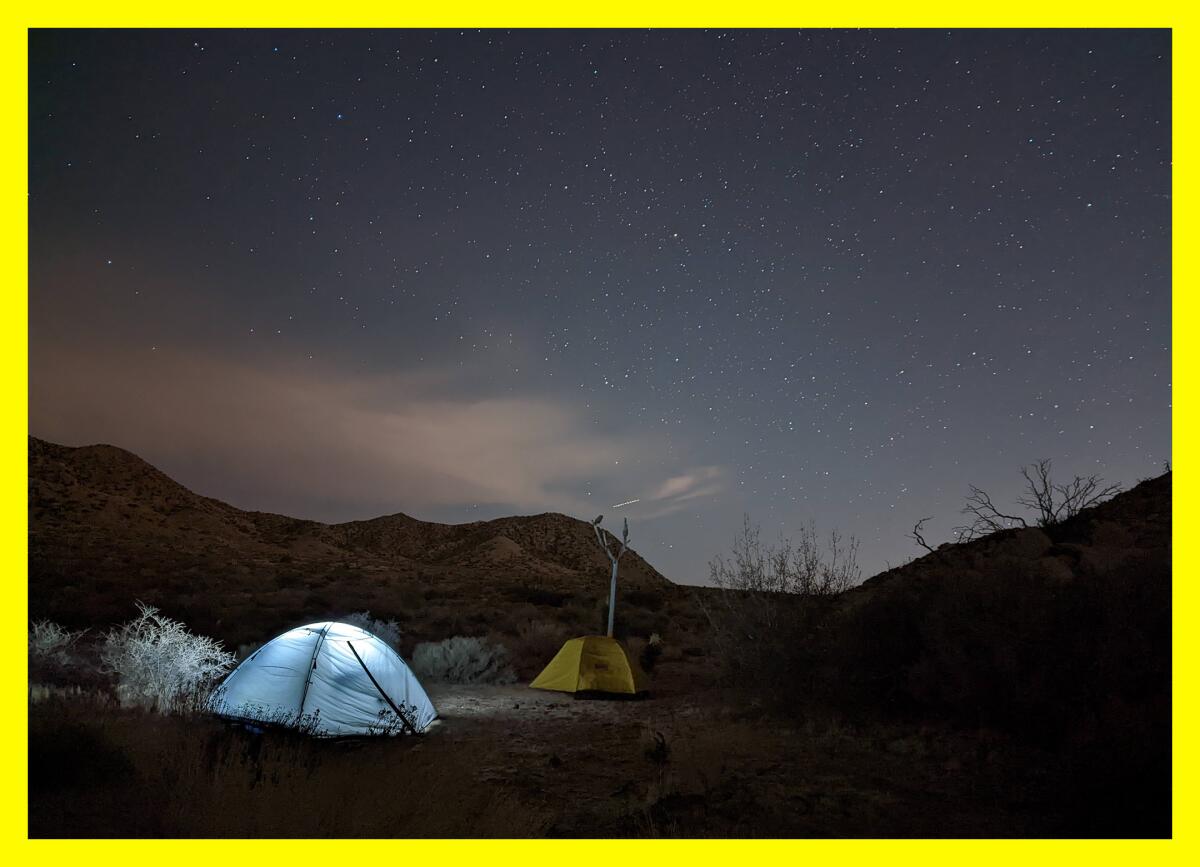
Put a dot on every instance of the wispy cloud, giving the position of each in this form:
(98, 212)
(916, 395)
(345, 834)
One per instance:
(330, 443)
(678, 491)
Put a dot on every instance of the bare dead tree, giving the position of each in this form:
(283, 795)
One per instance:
(985, 517)
(1051, 503)
(916, 533)
(1056, 503)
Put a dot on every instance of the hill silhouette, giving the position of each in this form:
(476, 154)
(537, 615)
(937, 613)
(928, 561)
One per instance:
(106, 528)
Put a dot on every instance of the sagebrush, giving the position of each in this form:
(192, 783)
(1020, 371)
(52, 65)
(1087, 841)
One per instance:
(52, 651)
(49, 642)
(160, 665)
(463, 660)
(388, 631)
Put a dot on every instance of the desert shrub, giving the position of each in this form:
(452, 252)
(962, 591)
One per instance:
(537, 596)
(771, 600)
(462, 660)
(536, 643)
(386, 630)
(55, 656)
(52, 650)
(1010, 649)
(638, 622)
(160, 665)
(643, 599)
(805, 567)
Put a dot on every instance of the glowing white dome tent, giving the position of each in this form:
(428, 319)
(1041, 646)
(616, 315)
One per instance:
(328, 679)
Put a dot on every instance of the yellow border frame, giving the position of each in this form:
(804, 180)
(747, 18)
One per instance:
(621, 13)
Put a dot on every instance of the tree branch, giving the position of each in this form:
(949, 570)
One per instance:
(916, 533)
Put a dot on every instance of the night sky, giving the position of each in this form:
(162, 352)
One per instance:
(819, 276)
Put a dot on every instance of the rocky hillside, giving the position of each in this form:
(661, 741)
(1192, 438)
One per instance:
(106, 528)
(1042, 630)
(1058, 636)
(1132, 528)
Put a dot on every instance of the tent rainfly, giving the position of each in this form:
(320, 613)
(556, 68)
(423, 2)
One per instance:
(328, 679)
(595, 664)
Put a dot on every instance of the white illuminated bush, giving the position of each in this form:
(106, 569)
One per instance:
(159, 664)
(49, 642)
(53, 656)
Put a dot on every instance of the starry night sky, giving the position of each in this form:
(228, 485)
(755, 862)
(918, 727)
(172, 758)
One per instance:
(819, 276)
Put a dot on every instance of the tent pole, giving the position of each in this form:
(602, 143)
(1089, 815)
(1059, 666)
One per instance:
(312, 666)
(404, 721)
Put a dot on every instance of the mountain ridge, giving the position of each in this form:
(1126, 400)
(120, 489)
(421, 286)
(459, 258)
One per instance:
(103, 516)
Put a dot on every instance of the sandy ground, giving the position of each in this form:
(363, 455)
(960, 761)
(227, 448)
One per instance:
(704, 764)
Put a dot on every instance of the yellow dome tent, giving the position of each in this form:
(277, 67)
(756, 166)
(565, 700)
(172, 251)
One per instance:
(596, 663)
(593, 663)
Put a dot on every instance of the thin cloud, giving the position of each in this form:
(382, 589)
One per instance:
(330, 444)
(677, 492)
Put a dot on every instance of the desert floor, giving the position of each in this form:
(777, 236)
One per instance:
(509, 761)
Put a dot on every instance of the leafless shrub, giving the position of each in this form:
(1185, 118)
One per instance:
(536, 643)
(462, 660)
(53, 655)
(772, 597)
(51, 643)
(160, 664)
(387, 631)
(985, 517)
(1051, 503)
(803, 567)
(1055, 503)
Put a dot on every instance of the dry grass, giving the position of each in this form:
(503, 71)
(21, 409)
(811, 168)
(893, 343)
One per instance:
(99, 770)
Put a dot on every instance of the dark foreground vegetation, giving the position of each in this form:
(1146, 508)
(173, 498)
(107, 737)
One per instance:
(103, 771)
(1056, 637)
(512, 762)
